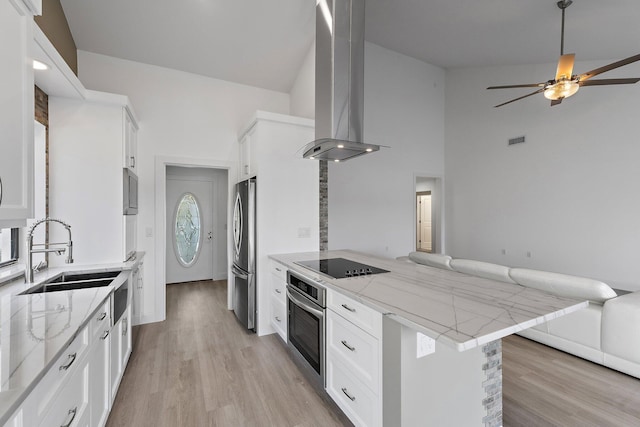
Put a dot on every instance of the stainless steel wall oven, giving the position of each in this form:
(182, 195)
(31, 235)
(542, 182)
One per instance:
(306, 325)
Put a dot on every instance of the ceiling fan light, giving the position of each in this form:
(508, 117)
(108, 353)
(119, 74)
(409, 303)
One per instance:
(562, 89)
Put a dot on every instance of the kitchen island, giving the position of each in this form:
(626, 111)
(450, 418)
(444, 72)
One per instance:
(461, 318)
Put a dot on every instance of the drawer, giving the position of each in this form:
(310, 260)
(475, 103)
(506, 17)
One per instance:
(355, 348)
(359, 314)
(279, 317)
(71, 406)
(278, 289)
(60, 372)
(278, 270)
(101, 321)
(362, 406)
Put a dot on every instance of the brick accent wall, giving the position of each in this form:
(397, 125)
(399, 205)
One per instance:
(41, 114)
(324, 206)
(493, 384)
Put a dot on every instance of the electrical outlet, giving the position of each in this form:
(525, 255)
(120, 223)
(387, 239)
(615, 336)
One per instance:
(425, 345)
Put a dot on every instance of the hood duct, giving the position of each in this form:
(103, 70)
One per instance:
(339, 82)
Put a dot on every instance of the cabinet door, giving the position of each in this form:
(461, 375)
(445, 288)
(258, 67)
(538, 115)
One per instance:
(115, 359)
(130, 138)
(99, 388)
(16, 115)
(247, 166)
(138, 294)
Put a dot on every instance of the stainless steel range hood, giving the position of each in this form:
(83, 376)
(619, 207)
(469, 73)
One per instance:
(339, 82)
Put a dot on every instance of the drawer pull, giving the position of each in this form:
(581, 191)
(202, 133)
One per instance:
(278, 291)
(73, 413)
(346, 393)
(277, 319)
(102, 316)
(346, 307)
(346, 344)
(68, 365)
(277, 269)
(105, 335)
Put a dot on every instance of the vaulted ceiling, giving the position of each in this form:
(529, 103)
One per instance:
(263, 43)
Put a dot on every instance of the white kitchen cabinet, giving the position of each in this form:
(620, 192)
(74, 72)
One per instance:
(71, 405)
(99, 365)
(287, 198)
(85, 158)
(137, 282)
(130, 141)
(16, 114)
(354, 359)
(279, 309)
(245, 171)
(120, 350)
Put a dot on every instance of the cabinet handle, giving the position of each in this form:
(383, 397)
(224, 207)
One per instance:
(346, 393)
(102, 316)
(278, 291)
(346, 344)
(133, 162)
(346, 307)
(125, 326)
(246, 169)
(0, 190)
(277, 269)
(73, 413)
(73, 359)
(277, 319)
(104, 337)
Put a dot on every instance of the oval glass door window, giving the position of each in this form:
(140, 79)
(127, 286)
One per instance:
(187, 234)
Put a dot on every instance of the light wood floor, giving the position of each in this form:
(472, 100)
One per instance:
(199, 368)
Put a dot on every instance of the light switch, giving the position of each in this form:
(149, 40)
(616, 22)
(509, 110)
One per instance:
(425, 345)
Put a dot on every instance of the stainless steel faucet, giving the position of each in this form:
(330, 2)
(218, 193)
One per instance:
(29, 270)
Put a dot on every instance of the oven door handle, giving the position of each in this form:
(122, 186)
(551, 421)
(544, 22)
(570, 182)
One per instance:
(299, 301)
(238, 273)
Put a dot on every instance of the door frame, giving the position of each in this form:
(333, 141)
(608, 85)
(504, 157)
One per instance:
(161, 163)
(418, 194)
(437, 196)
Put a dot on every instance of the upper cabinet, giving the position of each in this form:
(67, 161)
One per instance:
(246, 163)
(130, 138)
(16, 114)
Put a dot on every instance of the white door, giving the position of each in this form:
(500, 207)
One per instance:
(189, 230)
(424, 227)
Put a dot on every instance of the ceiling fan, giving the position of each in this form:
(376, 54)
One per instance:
(566, 83)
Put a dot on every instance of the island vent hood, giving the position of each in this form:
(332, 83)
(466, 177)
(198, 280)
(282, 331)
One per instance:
(339, 82)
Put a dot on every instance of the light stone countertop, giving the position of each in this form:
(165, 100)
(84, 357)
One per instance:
(36, 329)
(455, 309)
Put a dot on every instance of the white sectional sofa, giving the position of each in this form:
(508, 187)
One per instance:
(606, 332)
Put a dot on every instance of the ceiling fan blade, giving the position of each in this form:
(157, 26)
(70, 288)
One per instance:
(517, 99)
(565, 66)
(514, 86)
(593, 73)
(602, 82)
(556, 101)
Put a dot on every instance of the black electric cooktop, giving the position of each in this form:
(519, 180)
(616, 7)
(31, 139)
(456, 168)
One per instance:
(339, 268)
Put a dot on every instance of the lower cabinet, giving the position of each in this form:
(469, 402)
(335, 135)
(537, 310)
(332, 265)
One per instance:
(120, 350)
(354, 359)
(79, 389)
(279, 309)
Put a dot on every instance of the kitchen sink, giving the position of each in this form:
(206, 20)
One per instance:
(69, 281)
(67, 286)
(75, 277)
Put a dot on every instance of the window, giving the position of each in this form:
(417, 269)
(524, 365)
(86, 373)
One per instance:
(187, 230)
(8, 246)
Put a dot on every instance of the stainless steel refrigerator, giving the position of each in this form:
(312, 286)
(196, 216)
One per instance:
(244, 253)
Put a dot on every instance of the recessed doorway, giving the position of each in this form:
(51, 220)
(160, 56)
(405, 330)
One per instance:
(428, 209)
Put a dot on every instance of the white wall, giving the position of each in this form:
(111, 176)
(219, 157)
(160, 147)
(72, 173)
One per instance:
(569, 195)
(304, 88)
(180, 115)
(372, 198)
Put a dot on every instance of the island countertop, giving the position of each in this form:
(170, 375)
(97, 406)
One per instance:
(455, 309)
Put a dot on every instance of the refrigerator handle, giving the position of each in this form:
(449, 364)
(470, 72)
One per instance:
(238, 273)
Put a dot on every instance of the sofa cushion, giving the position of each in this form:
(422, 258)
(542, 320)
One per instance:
(432, 260)
(563, 285)
(482, 269)
(582, 326)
